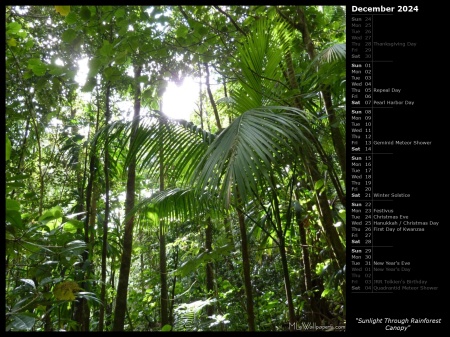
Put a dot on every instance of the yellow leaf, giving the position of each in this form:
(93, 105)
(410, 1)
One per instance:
(12, 42)
(65, 290)
(63, 10)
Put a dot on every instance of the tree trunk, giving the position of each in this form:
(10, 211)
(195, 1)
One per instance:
(81, 307)
(200, 98)
(211, 99)
(174, 283)
(301, 223)
(246, 267)
(104, 239)
(162, 244)
(163, 274)
(122, 287)
(209, 266)
(282, 248)
(287, 282)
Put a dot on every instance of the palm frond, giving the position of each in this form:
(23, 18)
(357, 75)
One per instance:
(332, 53)
(176, 204)
(260, 57)
(255, 144)
(182, 143)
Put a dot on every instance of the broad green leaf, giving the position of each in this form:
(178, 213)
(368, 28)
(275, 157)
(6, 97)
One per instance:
(112, 74)
(85, 13)
(119, 13)
(37, 67)
(42, 83)
(56, 70)
(69, 35)
(12, 42)
(15, 184)
(107, 49)
(121, 58)
(75, 247)
(147, 94)
(326, 292)
(90, 85)
(318, 185)
(53, 224)
(63, 10)
(22, 322)
(22, 33)
(14, 218)
(27, 74)
(7, 148)
(12, 205)
(166, 327)
(29, 282)
(72, 225)
(53, 213)
(203, 31)
(72, 18)
(192, 264)
(94, 65)
(181, 31)
(134, 43)
(13, 27)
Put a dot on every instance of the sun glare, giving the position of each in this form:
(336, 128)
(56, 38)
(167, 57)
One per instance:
(179, 101)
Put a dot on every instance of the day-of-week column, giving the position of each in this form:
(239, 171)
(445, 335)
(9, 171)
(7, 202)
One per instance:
(360, 120)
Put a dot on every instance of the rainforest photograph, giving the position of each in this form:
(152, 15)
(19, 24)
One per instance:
(175, 168)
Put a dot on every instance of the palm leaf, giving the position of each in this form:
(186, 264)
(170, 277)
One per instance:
(175, 203)
(183, 144)
(260, 56)
(252, 146)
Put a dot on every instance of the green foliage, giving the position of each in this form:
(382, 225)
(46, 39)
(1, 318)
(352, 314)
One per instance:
(7, 147)
(21, 322)
(193, 264)
(37, 67)
(56, 125)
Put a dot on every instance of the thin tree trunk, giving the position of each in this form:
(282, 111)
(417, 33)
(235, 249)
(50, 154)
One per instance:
(301, 223)
(172, 297)
(287, 281)
(200, 96)
(162, 243)
(163, 274)
(211, 99)
(246, 267)
(81, 307)
(282, 248)
(109, 304)
(305, 253)
(225, 93)
(22, 151)
(41, 175)
(122, 287)
(105, 230)
(209, 266)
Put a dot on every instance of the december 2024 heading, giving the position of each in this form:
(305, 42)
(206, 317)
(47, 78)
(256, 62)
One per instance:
(383, 9)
